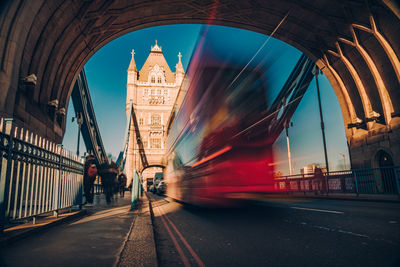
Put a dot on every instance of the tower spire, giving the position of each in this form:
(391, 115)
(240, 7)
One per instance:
(132, 65)
(156, 48)
(179, 66)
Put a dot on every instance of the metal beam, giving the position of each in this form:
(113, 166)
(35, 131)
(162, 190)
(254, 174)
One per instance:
(90, 131)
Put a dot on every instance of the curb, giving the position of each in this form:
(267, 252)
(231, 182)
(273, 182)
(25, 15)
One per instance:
(13, 237)
(140, 248)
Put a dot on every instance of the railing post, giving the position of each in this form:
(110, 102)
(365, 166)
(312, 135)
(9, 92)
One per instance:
(134, 190)
(5, 174)
(58, 180)
(355, 181)
(396, 177)
(80, 186)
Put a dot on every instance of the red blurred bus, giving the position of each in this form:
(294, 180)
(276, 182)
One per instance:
(218, 146)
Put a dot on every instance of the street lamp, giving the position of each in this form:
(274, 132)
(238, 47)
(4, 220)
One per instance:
(316, 71)
(79, 120)
(287, 125)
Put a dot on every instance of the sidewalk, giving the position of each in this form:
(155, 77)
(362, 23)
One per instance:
(100, 235)
(20, 231)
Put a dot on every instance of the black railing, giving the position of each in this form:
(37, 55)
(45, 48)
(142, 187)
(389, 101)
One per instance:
(384, 180)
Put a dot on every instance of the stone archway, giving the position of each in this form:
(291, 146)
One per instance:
(384, 159)
(151, 166)
(356, 44)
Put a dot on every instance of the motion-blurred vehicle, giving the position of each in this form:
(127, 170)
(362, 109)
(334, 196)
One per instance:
(158, 176)
(218, 146)
(160, 190)
(149, 182)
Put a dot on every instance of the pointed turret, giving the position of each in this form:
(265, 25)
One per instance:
(131, 81)
(179, 66)
(180, 72)
(132, 65)
(156, 48)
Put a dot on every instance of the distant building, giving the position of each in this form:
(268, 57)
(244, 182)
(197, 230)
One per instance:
(152, 90)
(310, 168)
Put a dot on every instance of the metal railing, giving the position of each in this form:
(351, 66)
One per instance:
(36, 175)
(136, 191)
(384, 180)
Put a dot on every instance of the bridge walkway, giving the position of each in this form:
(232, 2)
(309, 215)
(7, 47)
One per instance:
(101, 238)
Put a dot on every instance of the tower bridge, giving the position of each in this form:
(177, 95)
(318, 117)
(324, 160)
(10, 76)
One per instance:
(45, 45)
(43, 48)
(151, 93)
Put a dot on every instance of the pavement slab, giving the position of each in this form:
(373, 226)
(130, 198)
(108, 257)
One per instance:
(94, 240)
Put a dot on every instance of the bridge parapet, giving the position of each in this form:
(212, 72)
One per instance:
(37, 176)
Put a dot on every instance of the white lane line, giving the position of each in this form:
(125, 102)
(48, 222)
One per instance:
(318, 210)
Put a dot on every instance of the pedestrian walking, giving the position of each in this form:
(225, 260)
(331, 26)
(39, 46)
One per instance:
(108, 173)
(122, 183)
(89, 176)
(319, 177)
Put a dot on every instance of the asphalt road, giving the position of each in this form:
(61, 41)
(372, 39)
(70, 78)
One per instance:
(94, 240)
(278, 232)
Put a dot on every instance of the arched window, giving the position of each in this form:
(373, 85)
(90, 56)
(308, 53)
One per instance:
(159, 79)
(384, 159)
(153, 79)
(155, 143)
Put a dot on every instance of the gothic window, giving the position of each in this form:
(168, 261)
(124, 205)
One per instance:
(153, 79)
(159, 79)
(141, 121)
(155, 143)
(155, 119)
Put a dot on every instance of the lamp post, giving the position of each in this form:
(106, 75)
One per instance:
(316, 72)
(79, 121)
(288, 146)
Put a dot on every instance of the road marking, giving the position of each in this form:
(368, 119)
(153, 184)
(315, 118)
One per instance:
(190, 249)
(318, 210)
(177, 246)
(167, 224)
(325, 228)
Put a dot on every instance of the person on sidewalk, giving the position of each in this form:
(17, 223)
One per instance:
(319, 177)
(89, 176)
(108, 173)
(122, 183)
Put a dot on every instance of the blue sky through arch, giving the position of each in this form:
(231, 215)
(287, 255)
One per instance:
(106, 73)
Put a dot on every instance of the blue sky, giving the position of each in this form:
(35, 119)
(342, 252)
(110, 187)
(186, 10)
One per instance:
(106, 75)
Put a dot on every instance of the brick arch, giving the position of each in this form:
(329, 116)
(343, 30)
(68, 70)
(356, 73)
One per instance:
(54, 39)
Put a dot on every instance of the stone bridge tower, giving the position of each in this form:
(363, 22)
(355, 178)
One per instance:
(152, 90)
